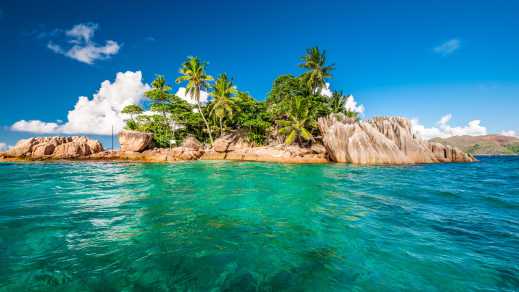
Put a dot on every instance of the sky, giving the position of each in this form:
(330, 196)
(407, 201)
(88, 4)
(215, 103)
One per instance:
(450, 66)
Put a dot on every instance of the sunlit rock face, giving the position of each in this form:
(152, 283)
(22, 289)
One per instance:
(55, 148)
(234, 146)
(382, 140)
(135, 141)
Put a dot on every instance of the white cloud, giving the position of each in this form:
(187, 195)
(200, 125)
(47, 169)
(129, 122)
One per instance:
(96, 115)
(351, 103)
(84, 49)
(448, 47)
(326, 91)
(509, 133)
(3, 147)
(444, 130)
(181, 92)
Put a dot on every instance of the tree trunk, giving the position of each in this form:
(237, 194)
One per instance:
(206, 123)
(221, 127)
(172, 128)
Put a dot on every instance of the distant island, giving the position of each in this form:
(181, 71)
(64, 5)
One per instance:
(483, 145)
(300, 121)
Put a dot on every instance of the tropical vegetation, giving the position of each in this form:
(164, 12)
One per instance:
(288, 114)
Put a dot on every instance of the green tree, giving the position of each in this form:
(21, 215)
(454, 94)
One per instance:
(253, 116)
(314, 61)
(193, 72)
(222, 105)
(132, 109)
(337, 102)
(160, 96)
(298, 121)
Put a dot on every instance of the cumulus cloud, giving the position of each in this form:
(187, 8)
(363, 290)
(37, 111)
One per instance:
(327, 91)
(351, 103)
(96, 115)
(510, 133)
(3, 147)
(83, 48)
(181, 92)
(448, 47)
(444, 130)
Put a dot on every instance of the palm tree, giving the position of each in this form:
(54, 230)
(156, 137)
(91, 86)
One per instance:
(337, 102)
(297, 122)
(315, 62)
(193, 71)
(223, 91)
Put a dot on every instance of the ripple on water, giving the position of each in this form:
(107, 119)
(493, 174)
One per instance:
(259, 226)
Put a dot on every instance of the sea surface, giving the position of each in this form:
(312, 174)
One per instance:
(230, 226)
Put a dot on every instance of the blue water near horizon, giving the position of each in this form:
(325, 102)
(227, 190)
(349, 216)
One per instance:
(229, 226)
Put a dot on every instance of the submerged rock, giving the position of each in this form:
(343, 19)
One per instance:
(385, 140)
(54, 148)
(135, 141)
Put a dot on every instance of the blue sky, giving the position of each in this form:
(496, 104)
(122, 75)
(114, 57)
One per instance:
(419, 59)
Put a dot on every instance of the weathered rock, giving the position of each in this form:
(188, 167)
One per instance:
(192, 143)
(318, 148)
(156, 155)
(213, 155)
(22, 148)
(135, 141)
(231, 142)
(42, 150)
(222, 143)
(71, 150)
(273, 153)
(184, 153)
(380, 141)
(54, 147)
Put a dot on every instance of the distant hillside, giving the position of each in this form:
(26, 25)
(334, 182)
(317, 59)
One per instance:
(483, 145)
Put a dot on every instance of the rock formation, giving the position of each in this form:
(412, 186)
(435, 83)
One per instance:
(54, 148)
(385, 140)
(191, 149)
(135, 141)
(235, 147)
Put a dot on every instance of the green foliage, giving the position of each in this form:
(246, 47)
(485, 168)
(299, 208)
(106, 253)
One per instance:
(132, 109)
(285, 87)
(290, 111)
(314, 61)
(298, 122)
(222, 104)
(157, 125)
(337, 104)
(513, 148)
(251, 115)
(132, 125)
(193, 74)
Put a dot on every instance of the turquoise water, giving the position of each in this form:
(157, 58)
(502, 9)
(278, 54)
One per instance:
(227, 226)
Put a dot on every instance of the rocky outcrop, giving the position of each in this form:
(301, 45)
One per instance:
(235, 147)
(54, 148)
(231, 142)
(135, 141)
(386, 140)
(191, 149)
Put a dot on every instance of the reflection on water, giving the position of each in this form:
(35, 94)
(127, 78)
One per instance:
(259, 226)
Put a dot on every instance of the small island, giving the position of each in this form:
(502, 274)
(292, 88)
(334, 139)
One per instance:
(300, 121)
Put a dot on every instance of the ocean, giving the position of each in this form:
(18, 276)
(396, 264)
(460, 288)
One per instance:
(243, 226)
